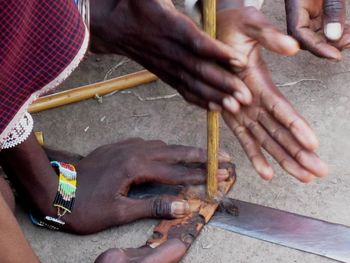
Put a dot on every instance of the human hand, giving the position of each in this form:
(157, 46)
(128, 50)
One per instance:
(319, 26)
(106, 175)
(270, 122)
(170, 45)
(169, 252)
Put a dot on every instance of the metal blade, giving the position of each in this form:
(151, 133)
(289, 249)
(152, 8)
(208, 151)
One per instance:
(287, 229)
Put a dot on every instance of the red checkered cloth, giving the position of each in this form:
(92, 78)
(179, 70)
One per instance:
(41, 42)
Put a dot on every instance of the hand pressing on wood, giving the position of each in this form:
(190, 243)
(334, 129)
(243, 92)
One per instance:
(104, 179)
(170, 252)
(169, 44)
(270, 122)
(319, 26)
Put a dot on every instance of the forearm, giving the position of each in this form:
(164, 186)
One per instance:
(14, 247)
(29, 168)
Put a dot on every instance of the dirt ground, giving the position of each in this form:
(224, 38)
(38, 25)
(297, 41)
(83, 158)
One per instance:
(318, 89)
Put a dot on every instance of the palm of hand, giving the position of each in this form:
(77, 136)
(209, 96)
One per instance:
(270, 121)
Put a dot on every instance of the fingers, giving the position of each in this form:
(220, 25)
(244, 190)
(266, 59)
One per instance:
(203, 45)
(203, 79)
(334, 13)
(299, 26)
(282, 110)
(176, 174)
(216, 76)
(165, 206)
(309, 160)
(169, 252)
(316, 44)
(259, 28)
(251, 148)
(207, 93)
(186, 154)
(278, 153)
(344, 41)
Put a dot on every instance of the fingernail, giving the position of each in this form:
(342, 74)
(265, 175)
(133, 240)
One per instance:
(179, 208)
(222, 174)
(267, 173)
(313, 163)
(240, 97)
(333, 31)
(291, 46)
(263, 169)
(214, 107)
(305, 135)
(307, 178)
(231, 104)
(235, 63)
(224, 156)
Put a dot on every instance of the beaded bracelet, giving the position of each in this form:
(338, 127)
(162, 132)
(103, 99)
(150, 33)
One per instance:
(64, 199)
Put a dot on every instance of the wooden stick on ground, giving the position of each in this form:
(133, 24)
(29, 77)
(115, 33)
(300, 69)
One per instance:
(90, 91)
(209, 22)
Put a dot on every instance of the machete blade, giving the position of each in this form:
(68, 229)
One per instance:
(286, 229)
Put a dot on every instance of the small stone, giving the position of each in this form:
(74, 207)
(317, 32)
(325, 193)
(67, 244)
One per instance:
(207, 245)
(334, 181)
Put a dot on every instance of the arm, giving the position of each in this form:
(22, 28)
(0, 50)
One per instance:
(102, 187)
(29, 168)
(14, 247)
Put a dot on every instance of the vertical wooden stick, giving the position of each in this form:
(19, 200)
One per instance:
(209, 21)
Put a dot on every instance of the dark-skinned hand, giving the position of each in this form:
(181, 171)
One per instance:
(168, 43)
(106, 175)
(319, 26)
(169, 252)
(270, 122)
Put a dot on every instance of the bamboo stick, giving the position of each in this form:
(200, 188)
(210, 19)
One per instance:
(90, 91)
(40, 137)
(213, 133)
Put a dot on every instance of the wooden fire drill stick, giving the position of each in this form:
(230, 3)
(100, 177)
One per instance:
(213, 134)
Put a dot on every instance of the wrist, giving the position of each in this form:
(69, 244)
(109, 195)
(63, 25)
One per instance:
(31, 173)
(103, 18)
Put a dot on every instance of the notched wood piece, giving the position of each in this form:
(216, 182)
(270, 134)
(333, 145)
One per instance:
(188, 228)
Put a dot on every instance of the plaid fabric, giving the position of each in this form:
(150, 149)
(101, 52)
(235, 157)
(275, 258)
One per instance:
(38, 40)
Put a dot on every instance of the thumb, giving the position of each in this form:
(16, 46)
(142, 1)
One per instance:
(164, 206)
(334, 16)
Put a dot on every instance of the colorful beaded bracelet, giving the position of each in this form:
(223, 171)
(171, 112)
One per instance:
(64, 199)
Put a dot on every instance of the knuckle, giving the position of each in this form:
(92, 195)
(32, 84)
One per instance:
(333, 7)
(305, 178)
(199, 68)
(240, 130)
(197, 44)
(277, 134)
(265, 143)
(298, 155)
(275, 109)
(253, 126)
(132, 162)
(160, 208)
(250, 11)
